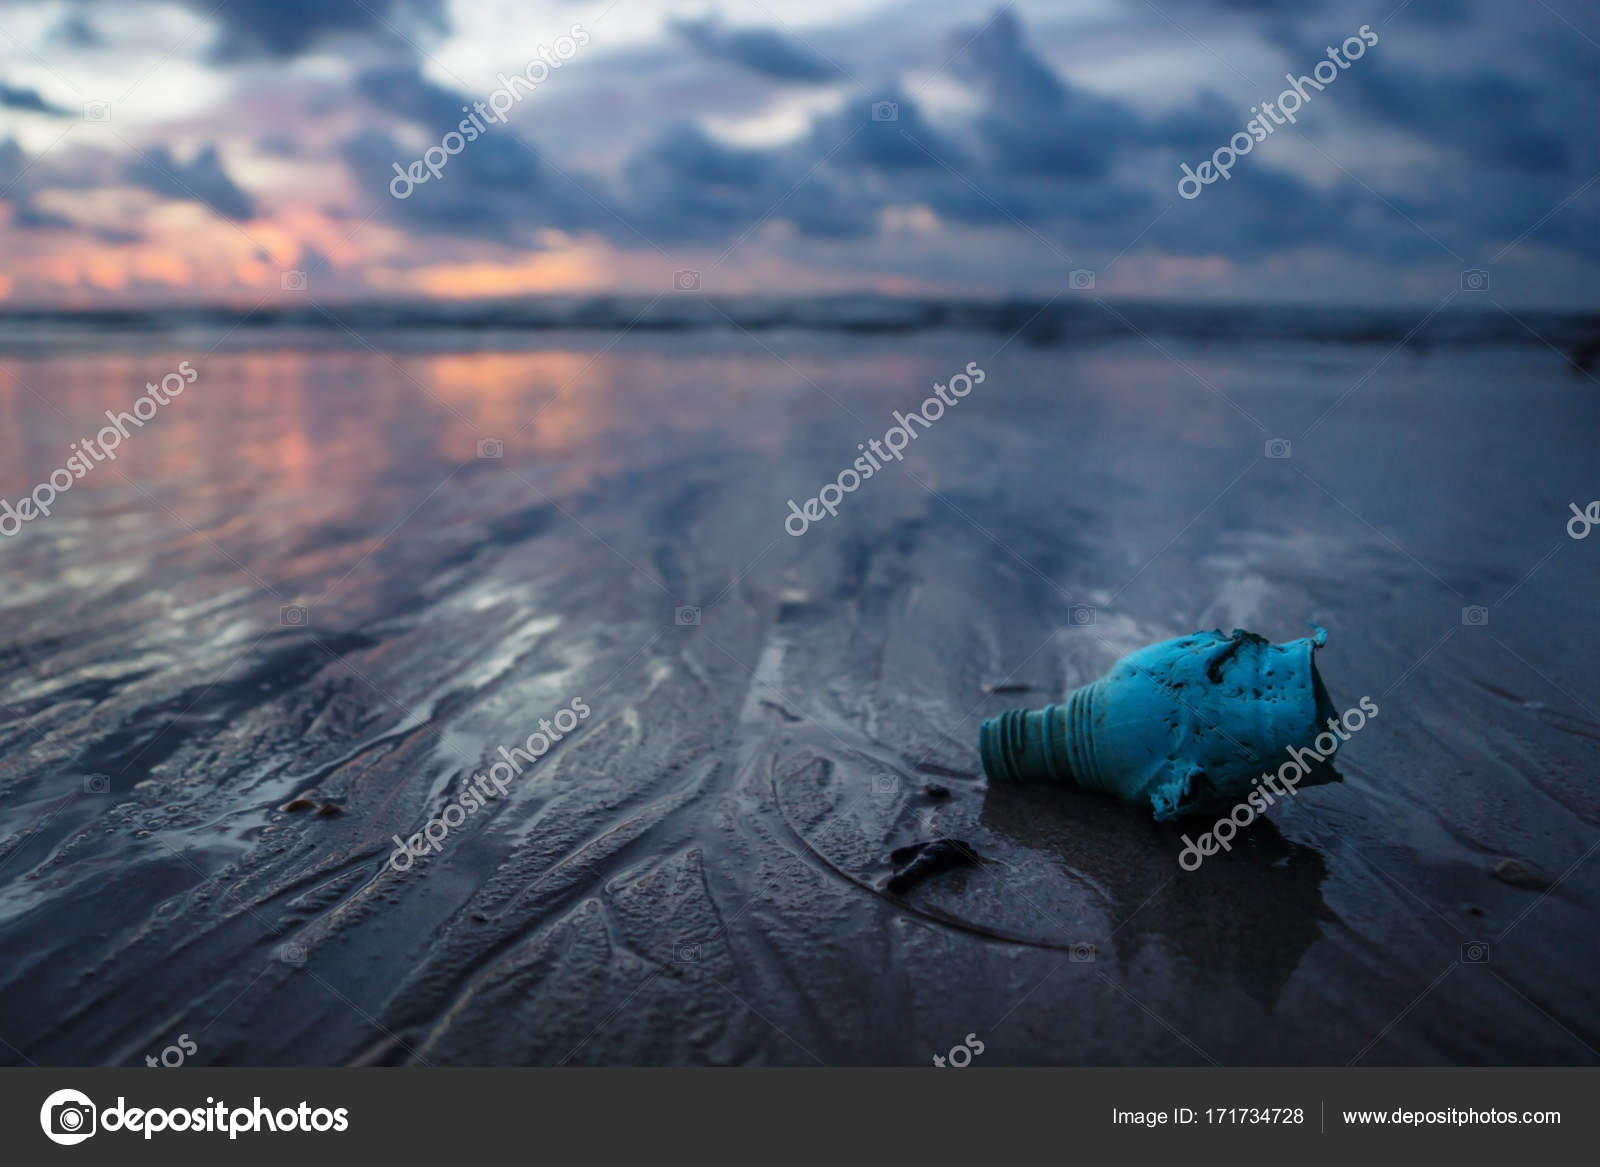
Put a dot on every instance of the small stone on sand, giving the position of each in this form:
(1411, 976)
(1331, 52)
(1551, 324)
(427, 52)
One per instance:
(1519, 874)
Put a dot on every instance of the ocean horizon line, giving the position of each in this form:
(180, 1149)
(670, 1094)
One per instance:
(1068, 318)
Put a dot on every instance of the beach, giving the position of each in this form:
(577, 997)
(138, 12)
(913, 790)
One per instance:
(341, 576)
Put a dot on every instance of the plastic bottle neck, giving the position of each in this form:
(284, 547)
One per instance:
(1053, 744)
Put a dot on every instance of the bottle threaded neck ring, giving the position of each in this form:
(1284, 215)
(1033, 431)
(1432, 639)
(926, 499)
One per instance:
(1023, 745)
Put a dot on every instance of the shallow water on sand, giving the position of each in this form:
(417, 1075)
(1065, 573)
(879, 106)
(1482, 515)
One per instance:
(301, 578)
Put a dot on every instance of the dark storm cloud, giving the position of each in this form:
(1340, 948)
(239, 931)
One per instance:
(1503, 89)
(687, 186)
(1038, 124)
(285, 28)
(497, 188)
(760, 50)
(885, 133)
(27, 217)
(1432, 13)
(1039, 155)
(1265, 211)
(1085, 173)
(28, 100)
(402, 91)
(1475, 108)
(1026, 160)
(1510, 120)
(12, 161)
(76, 32)
(202, 179)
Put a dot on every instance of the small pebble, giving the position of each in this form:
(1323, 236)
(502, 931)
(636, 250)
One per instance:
(934, 790)
(1519, 874)
(298, 804)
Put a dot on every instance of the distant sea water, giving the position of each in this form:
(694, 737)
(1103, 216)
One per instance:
(1073, 317)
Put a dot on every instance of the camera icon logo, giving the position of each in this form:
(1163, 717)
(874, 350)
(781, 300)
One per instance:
(885, 111)
(1278, 447)
(1080, 279)
(292, 953)
(489, 448)
(293, 281)
(687, 954)
(97, 111)
(68, 1117)
(1082, 953)
(885, 784)
(687, 617)
(97, 784)
(686, 281)
(1475, 616)
(1081, 615)
(1475, 952)
(1474, 279)
(293, 616)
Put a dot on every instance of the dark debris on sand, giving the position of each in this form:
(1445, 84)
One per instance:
(922, 861)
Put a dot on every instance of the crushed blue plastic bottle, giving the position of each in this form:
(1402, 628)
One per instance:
(1183, 727)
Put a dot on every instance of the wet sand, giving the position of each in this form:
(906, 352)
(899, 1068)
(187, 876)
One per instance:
(694, 875)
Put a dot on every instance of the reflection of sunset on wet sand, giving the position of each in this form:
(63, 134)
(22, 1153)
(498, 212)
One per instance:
(543, 401)
(304, 574)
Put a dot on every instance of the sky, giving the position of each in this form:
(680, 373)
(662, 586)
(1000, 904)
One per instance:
(246, 151)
